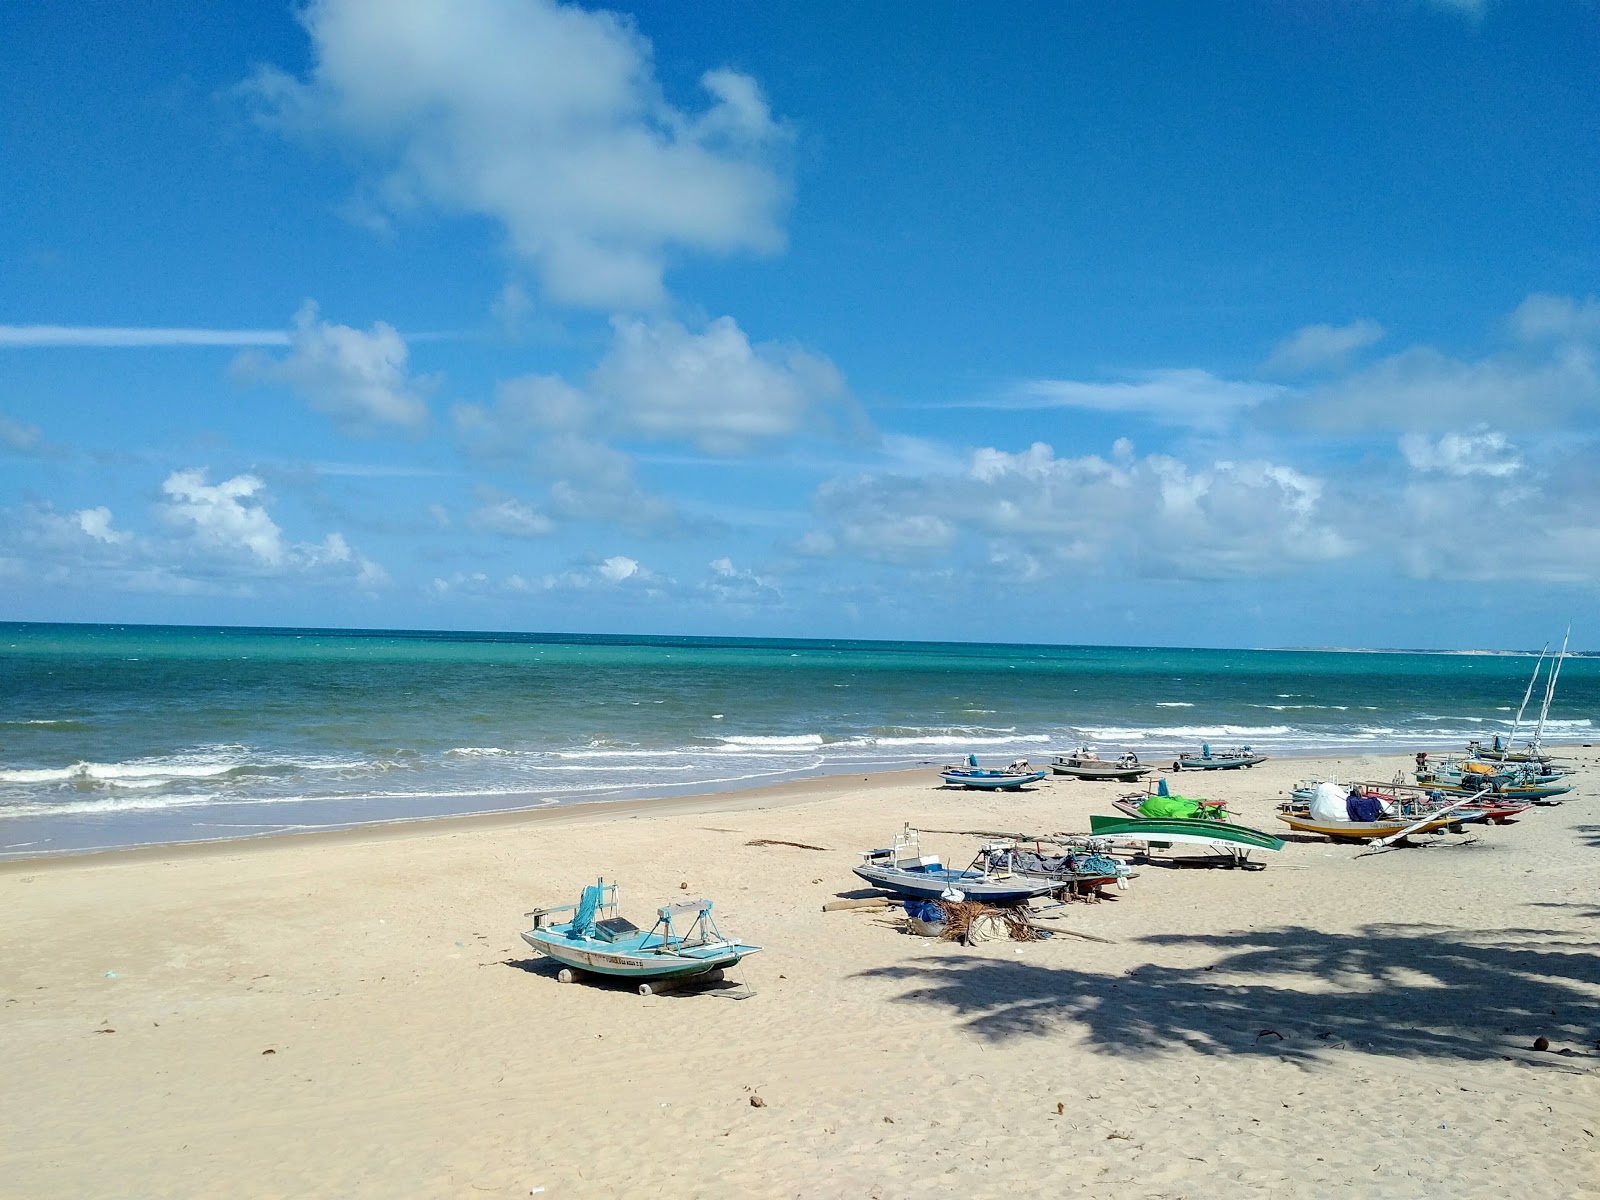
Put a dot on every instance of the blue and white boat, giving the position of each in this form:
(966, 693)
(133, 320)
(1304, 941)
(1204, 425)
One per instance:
(1217, 760)
(598, 939)
(991, 778)
(904, 870)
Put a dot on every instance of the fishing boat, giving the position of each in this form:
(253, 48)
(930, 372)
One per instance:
(1086, 763)
(598, 939)
(1210, 760)
(1397, 796)
(1504, 751)
(1454, 773)
(1485, 786)
(1217, 835)
(991, 778)
(1078, 870)
(904, 870)
(1162, 803)
(1366, 815)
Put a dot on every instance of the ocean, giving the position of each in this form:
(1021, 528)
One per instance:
(119, 735)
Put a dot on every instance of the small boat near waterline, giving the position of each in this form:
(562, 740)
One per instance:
(1085, 763)
(904, 870)
(991, 779)
(598, 939)
(1224, 760)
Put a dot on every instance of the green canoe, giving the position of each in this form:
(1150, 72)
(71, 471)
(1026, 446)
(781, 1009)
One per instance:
(1179, 829)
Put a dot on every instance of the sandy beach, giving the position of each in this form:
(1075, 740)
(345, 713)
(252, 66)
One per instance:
(355, 1014)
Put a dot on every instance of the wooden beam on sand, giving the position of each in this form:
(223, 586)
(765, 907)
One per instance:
(862, 902)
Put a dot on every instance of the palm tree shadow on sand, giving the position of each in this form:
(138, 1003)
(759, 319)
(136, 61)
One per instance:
(1298, 993)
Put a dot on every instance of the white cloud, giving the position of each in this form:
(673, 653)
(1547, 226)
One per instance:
(713, 388)
(617, 573)
(17, 437)
(510, 517)
(226, 516)
(617, 568)
(1183, 396)
(1152, 516)
(733, 587)
(1481, 452)
(216, 538)
(1319, 346)
(548, 119)
(1557, 318)
(114, 336)
(357, 378)
(230, 521)
(1420, 390)
(96, 523)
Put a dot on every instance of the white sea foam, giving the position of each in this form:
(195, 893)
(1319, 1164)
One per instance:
(127, 774)
(1173, 704)
(780, 742)
(1189, 731)
(1299, 707)
(948, 739)
(478, 752)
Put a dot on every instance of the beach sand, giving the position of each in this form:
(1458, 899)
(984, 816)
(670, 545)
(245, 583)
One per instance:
(355, 1014)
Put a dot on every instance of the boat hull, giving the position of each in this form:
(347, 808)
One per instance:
(600, 958)
(1189, 831)
(1366, 830)
(1117, 774)
(931, 885)
(992, 781)
(1232, 763)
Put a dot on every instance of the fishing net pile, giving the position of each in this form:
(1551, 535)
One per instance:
(971, 921)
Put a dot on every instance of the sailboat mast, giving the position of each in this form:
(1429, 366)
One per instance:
(1550, 690)
(1533, 679)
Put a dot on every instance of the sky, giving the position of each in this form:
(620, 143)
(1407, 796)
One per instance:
(1242, 323)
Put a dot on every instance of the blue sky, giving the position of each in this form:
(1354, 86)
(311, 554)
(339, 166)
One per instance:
(1245, 323)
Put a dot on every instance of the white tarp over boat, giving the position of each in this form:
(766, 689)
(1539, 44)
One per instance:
(1328, 804)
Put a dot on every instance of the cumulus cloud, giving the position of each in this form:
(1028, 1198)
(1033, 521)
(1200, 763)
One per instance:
(548, 119)
(616, 573)
(1155, 515)
(230, 520)
(211, 538)
(359, 379)
(226, 515)
(617, 568)
(1482, 452)
(1183, 396)
(1314, 347)
(712, 388)
(733, 587)
(659, 381)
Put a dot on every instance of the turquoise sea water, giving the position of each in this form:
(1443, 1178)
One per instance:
(123, 735)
